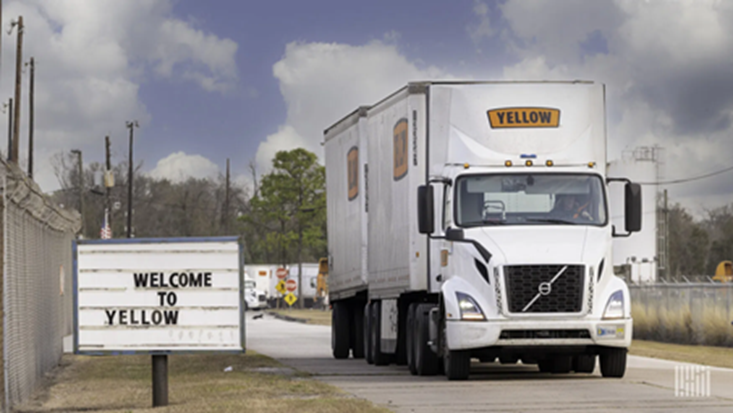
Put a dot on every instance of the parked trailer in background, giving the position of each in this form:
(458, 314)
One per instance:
(471, 220)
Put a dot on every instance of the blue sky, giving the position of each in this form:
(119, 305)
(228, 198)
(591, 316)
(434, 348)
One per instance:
(253, 110)
(210, 80)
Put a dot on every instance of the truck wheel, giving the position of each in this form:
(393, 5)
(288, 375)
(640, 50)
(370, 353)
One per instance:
(410, 330)
(613, 362)
(379, 358)
(562, 364)
(357, 347)
(584, 363)
(426, 362)
(545, 365)
(340, 330)
(367, 333)
(456, 363)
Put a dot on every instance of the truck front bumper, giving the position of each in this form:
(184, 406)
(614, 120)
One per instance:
(464, 335)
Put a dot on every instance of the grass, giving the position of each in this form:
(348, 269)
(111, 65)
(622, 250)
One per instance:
(196, 383)
(709, 325)
(706, 355)
(319, 317)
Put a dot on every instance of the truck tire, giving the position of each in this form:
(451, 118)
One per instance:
(357, 347)
(379, 358)
(340, 330)
(584, 363)
(545, 365)
(367, 334)
(613, 362)
(456, 363)
(410, 331)
(562, 364)
(426, 362)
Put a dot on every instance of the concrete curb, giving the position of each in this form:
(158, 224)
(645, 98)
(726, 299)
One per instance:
(287, 318)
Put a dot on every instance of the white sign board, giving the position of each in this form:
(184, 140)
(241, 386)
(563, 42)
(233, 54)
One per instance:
(158, 295)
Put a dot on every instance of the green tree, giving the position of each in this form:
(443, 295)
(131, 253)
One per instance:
(289, 210)
(688, 244)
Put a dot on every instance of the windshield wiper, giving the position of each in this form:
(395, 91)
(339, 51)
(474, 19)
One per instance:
(552, 221)
(484, 222)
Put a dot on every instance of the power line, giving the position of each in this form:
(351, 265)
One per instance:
(684, 180)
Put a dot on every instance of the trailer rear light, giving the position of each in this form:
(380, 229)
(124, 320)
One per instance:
(508, 163)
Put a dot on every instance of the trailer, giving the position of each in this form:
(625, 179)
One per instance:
(470, 220)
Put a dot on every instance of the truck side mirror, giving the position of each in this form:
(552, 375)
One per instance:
(454, 234)
(633, 207)
(425, 209)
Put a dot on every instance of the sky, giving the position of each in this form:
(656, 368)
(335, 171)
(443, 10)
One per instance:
(211, 80)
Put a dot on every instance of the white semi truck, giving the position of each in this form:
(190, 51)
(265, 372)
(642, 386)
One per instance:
(470, 220)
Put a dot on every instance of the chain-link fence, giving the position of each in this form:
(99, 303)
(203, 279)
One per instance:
(36, 283)
(686, 313)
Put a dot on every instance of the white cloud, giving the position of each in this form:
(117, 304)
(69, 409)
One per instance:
(323, 82)
(92, 58)
(178, 167)
(483, 28)
(667, 69)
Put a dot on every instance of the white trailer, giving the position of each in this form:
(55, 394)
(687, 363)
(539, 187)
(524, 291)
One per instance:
(471, 220)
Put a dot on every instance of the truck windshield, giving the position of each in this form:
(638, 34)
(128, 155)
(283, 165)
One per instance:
(530, 199)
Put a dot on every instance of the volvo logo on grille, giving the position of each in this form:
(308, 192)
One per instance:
(544, 288)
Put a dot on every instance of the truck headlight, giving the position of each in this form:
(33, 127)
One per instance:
(615, 306)
(470, 311)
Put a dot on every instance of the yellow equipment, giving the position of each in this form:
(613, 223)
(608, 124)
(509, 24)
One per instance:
(322, 287)
(724, 272)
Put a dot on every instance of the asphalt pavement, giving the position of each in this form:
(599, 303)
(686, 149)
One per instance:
(648, 386)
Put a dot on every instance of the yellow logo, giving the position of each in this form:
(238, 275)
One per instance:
(399, 134)
(524, 118)
(352, 166)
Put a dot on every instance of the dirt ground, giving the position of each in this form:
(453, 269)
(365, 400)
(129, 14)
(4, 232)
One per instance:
(196, 383)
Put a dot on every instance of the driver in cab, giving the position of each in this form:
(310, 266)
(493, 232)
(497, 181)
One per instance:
(571, 207)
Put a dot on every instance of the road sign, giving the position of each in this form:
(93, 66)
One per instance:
(280, 287)
(281, 273)
(290, 299)
(291, 285)
(131, 295)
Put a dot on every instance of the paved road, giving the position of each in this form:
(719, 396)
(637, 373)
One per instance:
(647, 387)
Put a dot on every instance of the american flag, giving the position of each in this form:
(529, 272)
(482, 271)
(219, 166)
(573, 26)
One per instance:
(106, 232)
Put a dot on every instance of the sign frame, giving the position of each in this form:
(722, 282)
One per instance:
(117, 241)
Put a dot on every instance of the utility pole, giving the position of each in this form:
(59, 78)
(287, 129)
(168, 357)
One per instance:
(225, 216)
(130, 125)
(80, 167)
(10, 128)
(30, 119)
(107, 183)
(18, 77)
(667, 271)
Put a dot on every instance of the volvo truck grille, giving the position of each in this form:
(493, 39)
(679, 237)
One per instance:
(544, 288)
